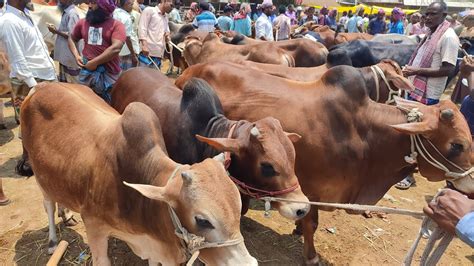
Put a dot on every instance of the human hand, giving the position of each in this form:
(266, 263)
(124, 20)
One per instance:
(52, 28)
(409, 71)
(145, 51)
(448, 208)
(79, 61)
(90, 66)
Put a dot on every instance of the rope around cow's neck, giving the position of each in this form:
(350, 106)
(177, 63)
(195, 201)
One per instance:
(192, 243)
(391, 92)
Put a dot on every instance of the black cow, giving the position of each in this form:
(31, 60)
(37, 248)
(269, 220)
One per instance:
(361, 53)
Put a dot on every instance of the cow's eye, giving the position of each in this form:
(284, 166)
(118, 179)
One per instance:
(203, 223)
(456, 150)
(268, 170)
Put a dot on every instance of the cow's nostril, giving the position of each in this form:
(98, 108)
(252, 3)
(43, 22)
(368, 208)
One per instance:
(300, 213)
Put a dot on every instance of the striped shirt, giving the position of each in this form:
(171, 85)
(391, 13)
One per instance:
(206, 21)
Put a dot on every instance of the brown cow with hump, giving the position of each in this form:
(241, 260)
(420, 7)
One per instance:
(352, 149)
(114, 170)
(262, 154)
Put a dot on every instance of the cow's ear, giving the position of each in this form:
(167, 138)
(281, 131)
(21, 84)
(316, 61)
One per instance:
(415, 128)
(401, 82)
(293, 137)
(149, 191)
(221, 144)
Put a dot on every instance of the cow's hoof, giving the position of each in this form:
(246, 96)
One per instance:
(52, 245)
(69, 221)
(2, 127)
(23, 168)
(313, 261)
(297, 232)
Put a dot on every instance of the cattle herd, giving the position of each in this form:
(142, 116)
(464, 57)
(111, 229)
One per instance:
(171, 165)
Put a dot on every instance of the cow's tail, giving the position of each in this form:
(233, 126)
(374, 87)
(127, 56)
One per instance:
(288, 60)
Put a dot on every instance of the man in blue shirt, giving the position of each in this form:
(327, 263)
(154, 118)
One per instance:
(225, 21)
(354, 24)
(396, 26)
(454, 212)
(377, 25)
(205, 21)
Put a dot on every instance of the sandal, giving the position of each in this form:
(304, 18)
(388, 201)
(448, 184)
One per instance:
(5, 202)
(406, 183)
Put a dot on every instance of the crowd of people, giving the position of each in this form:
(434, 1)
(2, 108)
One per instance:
(114, 37)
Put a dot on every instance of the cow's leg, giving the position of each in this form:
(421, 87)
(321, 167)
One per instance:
(50, 208)
(310, 224)
(66, 215)
(97, 238)
(2, 118)
(245, 203)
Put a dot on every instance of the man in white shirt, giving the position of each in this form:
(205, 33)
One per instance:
(263, 25)
(283, 24)
(128, 55)
(27, 52)
(432, 62)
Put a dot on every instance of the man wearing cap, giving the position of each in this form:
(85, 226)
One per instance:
(397, 22)
(153, 32)
(377, 25)
(206, 21)
(263, 25)
(225, 21)
(103, 39)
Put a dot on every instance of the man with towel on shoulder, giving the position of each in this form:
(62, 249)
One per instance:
(432, 62)
(103, 39)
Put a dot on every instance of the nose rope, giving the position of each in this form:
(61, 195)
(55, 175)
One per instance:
(391, 92)
(192, 243)
(249, 190)
(417, 147)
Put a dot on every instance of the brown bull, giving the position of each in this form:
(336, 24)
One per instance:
(114, 170)
(5, 85)
(306, 53)
(262, 154)
(212, 48)
(247, 77)
(331, 38)
(353, 149)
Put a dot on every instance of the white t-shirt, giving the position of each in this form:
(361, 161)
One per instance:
(263, 27)
(446, 51)
(124, 17)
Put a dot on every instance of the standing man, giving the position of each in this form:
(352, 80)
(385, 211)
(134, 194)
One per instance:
(355, 23)
(282, 24)
(28, 54)
(377, 25)
(263, 25)
(432, 62)
(153, 31)
(397, 22)
(206, 21)
(174, 15)
(242, 23)
(103, 39)
(68, 67)
(128, 55)
(343, 20)
(291, 13)
(225, 20)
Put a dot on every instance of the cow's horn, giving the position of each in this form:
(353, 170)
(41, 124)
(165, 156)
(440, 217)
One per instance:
(255, 132)
(447, 114)
(187, 178)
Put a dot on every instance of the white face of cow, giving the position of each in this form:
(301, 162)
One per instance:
(208, 205)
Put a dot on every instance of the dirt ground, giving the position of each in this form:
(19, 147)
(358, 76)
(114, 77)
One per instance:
(341, 239)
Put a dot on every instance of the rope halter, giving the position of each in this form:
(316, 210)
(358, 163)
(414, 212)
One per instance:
(417, 147)
(192, 243)
(377, 71)
(249, 190)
